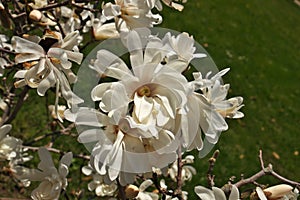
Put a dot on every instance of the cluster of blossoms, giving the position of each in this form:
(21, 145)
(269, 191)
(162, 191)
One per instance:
(152, 110)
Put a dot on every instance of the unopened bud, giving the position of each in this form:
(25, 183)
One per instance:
(35, 15)
(277, 191)
(131, 191)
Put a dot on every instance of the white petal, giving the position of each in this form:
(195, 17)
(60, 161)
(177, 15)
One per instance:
(21, 45)
(147, 183)
(219, 194)
(204, 193)
(4, 130)
(46, 159)
(235, 194)
(142, 107)
(91, 135)
(46, 83)
(134, 45)
(261, 194)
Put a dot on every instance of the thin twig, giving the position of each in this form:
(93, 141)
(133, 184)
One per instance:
(122, 194)
(18, 105)
(51, 149)
(7, 51)
(54, 5)
(265, 171)
(179, 173)
(210, 175)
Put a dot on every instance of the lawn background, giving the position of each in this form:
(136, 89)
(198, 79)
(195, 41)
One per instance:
(259, 41)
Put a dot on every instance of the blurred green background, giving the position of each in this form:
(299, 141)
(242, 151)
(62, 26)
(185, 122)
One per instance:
(259, 41)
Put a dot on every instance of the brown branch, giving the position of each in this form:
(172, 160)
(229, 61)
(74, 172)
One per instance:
(178, 191)
(210, 175)
(54, 5)
(18, 105)
(266, 171)
(7, 51)
(122, 194)
(85, 157)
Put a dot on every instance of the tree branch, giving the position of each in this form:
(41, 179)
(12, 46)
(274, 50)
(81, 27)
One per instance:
(210, 175)
(266, 171)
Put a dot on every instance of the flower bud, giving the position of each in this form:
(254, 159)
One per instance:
(131, 191)
(277, 191)
(35, 15)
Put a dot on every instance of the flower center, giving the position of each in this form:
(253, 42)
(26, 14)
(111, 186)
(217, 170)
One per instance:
(144, 91)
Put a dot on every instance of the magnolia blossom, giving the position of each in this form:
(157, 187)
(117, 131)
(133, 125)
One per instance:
(98, 184)
(151, 109)
(216, 193)
(187, 171)
(129, 14)
(48, 63)
(210, 108)
(170, 3)
(184, 194)
(59, 113)
(9, 146)
(3, 61)
(143, 194)
(52, 180)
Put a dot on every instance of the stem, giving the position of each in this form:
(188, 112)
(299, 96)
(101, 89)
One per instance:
(54, 5)
(265, 171)
(18, 105)
(210, 175)
(7, 51)
(122, 194)
(178, 191)
(85, 157)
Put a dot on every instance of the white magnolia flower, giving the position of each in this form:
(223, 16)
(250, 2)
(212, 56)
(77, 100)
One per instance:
(69, 20)
(129, 14)
(48, 62)
(216, 193)
(151, 109)
(210, 108)
(143, 194)
(98, 183)
(158, 96)
(9, 146)
(184, 194)
(59, 114)
(170, 3)
(52, 180)
(187, 171)
(4, 61)
(117, 151)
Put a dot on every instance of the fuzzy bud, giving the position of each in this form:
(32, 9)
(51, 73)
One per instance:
(131, 191)
(35, 15)
(277, 191)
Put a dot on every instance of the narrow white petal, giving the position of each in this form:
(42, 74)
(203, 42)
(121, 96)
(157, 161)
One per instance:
(204, 193)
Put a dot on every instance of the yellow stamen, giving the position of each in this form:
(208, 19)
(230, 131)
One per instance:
(144, 91)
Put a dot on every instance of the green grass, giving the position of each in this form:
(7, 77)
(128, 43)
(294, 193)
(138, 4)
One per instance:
(259, 41)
